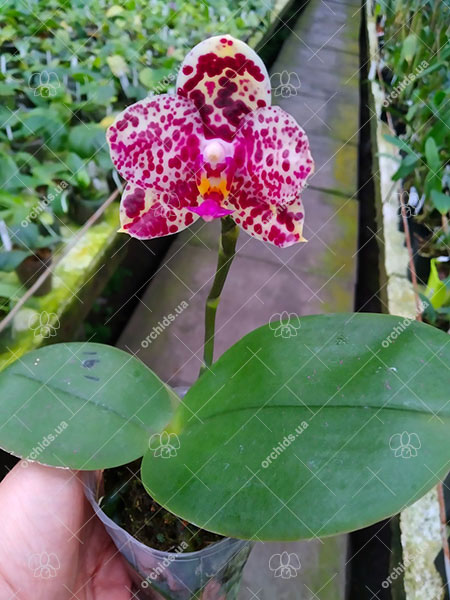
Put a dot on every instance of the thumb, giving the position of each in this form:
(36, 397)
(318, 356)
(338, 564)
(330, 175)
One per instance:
(43, 509)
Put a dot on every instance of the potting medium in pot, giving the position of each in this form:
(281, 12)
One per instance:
(213, 573)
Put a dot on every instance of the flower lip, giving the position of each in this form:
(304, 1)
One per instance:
(210, 208)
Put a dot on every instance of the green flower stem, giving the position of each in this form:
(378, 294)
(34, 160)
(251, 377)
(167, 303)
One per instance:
(227, 250)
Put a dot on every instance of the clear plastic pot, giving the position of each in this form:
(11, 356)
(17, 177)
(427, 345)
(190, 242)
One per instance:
(213, 573)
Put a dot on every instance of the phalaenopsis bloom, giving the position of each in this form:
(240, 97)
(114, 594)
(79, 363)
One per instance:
(214, 148)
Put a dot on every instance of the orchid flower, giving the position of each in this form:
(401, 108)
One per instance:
(214, 148)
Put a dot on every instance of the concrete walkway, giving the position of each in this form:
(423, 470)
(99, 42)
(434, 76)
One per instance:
(305, 279)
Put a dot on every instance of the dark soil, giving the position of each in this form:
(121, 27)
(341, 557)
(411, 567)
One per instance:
(128, 504)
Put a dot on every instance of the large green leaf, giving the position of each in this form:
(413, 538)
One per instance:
(320, 425)
(81, 405)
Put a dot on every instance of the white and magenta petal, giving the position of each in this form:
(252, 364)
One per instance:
(273, 160)
(155, 144)
(226, 80)
(281, 226)
(146, 215)
(273, 163)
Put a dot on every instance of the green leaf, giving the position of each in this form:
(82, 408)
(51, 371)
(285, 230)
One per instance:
(409, 47)
(159, 78)
(400, 144)
(433, 181)
(432, 155)
(26, 237)
(406, 167)
(297, 430)
(8, 173)
(79, 405)
(11, 260)
(117, 65)
(10, 290)
(441, 201)
(85, 140)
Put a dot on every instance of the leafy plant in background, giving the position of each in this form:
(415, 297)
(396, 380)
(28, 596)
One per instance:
(9, 293)
(339, 384)
(67, 67)
(26, 241)
(414, 40)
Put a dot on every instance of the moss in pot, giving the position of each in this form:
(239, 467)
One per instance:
(128, 504)
(295, 403)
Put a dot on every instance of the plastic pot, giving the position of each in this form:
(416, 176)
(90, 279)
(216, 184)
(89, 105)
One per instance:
(80, 209)
(213, 573)
(32, 268)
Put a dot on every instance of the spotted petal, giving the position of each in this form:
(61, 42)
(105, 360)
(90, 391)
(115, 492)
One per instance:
(155, 144)
(273, 162)
(226, 79)
(280, 226)
(145, 215)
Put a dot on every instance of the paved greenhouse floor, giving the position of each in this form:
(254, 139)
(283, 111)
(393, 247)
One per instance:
(322, 52)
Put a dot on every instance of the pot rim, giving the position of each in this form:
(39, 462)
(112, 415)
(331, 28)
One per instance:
(88, 477)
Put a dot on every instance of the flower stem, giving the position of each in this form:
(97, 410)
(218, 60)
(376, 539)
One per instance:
(227, 250)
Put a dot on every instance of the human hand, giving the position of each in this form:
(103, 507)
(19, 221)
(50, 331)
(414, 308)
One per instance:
(52, 546)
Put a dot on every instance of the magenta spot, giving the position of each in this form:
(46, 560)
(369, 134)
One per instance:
(134, 203)
(210, 85)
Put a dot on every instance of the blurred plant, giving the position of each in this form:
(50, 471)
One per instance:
(414, 42)
(25, 241)
(67, 66)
